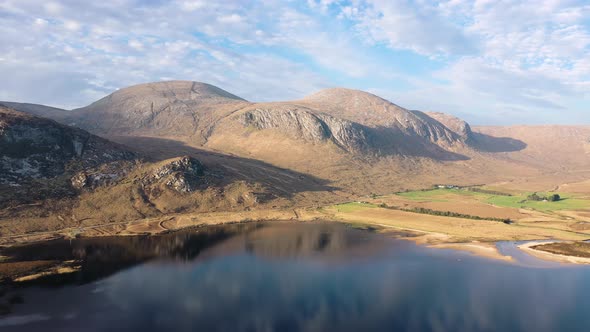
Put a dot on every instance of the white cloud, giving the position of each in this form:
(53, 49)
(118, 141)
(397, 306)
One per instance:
(233, 18)
(422, 29)
(72, 25)
(53, 8)
(192, 5)
(487, 57)
(135, 44)
(526, 56)
(40, 22)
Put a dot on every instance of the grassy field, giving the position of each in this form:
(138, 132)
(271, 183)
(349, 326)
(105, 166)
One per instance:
(566, 203)
(353, 206)
(578, 249)
(451, 229)
(518, 201)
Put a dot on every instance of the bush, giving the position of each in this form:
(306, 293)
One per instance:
(535, 197)
(550, 198)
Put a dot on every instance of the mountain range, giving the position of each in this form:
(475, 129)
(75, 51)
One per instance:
(176, 146)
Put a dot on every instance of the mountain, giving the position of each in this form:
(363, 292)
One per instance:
(348, 139)
(355, 121)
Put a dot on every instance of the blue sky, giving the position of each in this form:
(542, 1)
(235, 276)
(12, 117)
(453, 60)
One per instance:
(488, 61)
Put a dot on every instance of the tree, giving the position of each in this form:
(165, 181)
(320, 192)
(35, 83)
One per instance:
(535, 197)
(553, 198)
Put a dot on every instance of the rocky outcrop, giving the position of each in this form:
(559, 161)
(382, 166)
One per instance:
(102, 176)
(181, 175)
(37, 148)
(453, 123)
(304, 124)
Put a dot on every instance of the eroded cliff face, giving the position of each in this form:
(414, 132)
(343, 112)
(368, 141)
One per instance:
(456, 125)
(33, 148)
(304, 124)
(419, 135)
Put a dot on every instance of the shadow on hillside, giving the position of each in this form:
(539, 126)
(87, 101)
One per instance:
(286, 182)
(487, 143)
(390, 142)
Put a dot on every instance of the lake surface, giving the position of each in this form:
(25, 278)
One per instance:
(292, 277)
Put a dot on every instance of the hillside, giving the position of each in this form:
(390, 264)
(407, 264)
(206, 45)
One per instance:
(38, 155)
(54, 176)
(54, 113)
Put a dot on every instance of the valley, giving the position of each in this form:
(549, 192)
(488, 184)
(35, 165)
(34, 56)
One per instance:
(198, 155)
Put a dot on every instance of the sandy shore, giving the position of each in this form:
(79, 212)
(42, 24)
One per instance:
(482, 249)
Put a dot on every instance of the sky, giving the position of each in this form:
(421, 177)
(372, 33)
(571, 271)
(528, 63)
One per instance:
(487, 61)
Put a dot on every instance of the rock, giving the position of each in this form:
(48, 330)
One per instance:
(456, 125)
(312, 127)
(181, 175)
(105, 175)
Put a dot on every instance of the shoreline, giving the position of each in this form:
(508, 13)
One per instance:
(154, 226)
(479, 249)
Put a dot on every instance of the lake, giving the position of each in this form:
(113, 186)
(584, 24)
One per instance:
(292, 277)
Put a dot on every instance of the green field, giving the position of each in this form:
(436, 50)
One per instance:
(353, 206)
(567, 202)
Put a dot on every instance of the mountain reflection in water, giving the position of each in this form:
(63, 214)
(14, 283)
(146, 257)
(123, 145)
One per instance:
(297, 277)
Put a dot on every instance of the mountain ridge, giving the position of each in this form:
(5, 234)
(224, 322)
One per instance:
(356, 121)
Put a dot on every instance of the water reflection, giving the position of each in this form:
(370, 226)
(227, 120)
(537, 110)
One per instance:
(311, 277)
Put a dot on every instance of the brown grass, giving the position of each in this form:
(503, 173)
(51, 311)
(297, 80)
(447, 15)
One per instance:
(578, 249)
